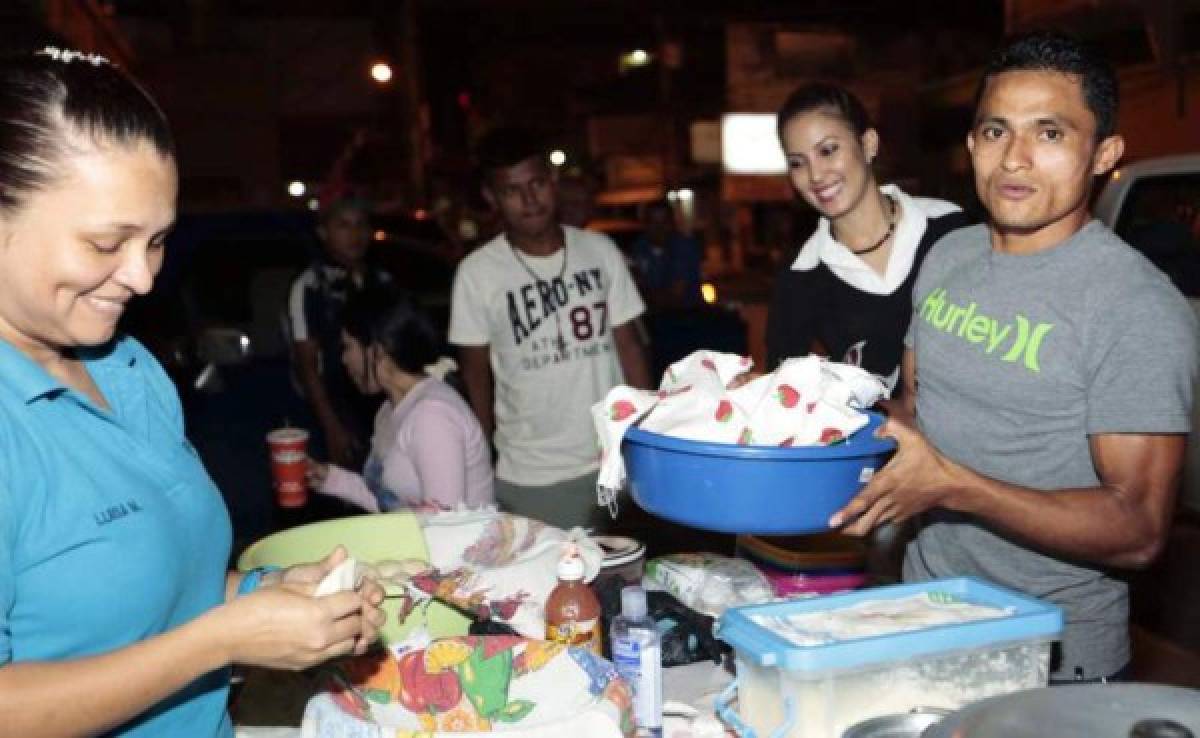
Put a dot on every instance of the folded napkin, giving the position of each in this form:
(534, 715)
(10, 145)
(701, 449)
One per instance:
(341, 578)
(808, 401)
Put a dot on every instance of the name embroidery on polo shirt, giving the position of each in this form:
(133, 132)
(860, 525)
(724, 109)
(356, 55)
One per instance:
(116, 512)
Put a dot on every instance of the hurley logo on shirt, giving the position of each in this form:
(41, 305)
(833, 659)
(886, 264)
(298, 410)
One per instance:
(1018, 339)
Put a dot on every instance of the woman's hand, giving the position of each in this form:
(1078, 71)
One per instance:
(372, 592)
(282, 626)
(316, 474)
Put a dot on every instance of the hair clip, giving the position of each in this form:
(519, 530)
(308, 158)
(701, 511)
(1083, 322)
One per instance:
(66, 56)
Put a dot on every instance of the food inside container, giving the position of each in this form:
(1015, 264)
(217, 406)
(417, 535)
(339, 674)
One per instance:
(831, 683)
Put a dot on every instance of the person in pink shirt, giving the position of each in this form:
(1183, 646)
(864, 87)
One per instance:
(427, 451)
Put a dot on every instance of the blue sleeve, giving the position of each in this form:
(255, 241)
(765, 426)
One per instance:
(6, 582)
(8, 541)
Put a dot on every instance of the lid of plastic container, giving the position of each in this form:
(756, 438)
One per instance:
(619, 550)
(1029, 619)
(633, 602)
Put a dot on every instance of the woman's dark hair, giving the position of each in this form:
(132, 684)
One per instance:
(46, 95)
(397, 324)
(1055, 51)
(826, 98)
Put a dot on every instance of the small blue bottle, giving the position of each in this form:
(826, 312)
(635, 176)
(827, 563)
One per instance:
(637, 653)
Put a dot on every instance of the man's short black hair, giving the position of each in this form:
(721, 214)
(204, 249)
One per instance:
(1055, 51)
(507, 146)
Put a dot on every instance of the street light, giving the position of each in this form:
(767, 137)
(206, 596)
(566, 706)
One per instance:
(558, 157)
(381, 72)
(634, 59)
(296, 188)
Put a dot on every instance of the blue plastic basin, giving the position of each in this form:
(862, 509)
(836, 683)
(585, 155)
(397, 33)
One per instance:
(750, 489)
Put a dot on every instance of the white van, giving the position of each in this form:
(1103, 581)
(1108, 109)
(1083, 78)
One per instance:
(1155, 206)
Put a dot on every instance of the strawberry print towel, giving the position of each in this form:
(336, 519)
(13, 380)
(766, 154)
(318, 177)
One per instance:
(808, 401)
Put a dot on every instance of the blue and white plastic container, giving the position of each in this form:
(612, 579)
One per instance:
(786, 690)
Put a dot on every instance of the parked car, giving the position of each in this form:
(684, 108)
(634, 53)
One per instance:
(1155, 206)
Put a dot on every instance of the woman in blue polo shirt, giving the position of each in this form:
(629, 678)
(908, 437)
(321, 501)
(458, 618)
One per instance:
(117, 614)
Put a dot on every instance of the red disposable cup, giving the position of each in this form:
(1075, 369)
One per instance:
(289, 465)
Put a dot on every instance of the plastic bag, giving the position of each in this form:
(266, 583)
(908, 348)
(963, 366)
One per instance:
(687, 635)
(708, 583)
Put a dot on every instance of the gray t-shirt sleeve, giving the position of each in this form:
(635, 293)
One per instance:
(1142, 361)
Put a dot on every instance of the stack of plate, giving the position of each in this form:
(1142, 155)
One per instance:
(807, 565)
(624, 559)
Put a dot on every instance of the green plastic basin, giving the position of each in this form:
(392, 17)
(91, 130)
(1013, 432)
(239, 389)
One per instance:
(369, 538)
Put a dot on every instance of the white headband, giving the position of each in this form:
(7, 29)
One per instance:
(440, 368)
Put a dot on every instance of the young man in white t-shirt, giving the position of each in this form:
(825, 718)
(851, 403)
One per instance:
(543, 317)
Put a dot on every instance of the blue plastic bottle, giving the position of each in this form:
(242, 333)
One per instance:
(637, 653)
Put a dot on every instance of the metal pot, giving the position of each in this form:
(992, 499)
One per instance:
(1084, 711)
(909, 724)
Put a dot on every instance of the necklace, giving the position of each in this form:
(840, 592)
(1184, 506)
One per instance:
(891, 228)
(560, 345)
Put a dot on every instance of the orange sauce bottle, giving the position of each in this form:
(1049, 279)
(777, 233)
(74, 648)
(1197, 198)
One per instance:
(572, 610)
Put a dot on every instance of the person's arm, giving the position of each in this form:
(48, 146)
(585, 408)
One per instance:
(305, 350)
(340, 443)
(625, 307)
(476, 375)
(908, 381)
(1120, 522)
(439, 454)
(344, 484)
(280, 627)
(630, 355)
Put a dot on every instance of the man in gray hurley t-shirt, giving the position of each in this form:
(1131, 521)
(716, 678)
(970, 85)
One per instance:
(1052, 366)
